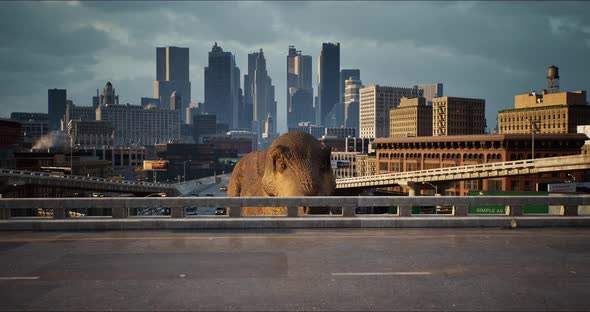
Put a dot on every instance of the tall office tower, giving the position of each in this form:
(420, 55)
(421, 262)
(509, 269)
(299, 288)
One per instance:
(458, 116)
(375, 103)
(351, 103)
(346, 74)
(175, 101)
(301, 106)
(222, 82)
(247, 102)
(328, 79)
(107, 97)
(172, 74)
(56, 107)
(299, 88)
(263, 96)
(195, 108)
(411, 118)
(135, 124)
(431, 91)
(291, 72)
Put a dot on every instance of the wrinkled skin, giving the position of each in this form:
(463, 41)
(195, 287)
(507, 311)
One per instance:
(296, 164)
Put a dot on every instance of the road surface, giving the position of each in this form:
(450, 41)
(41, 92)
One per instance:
(390, 269)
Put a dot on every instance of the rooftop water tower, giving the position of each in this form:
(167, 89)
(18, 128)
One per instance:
(553, 79)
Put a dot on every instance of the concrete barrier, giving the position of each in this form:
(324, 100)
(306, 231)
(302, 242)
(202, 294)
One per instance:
(121, 219)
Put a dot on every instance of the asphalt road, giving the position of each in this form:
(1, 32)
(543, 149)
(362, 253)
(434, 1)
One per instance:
(390, 269)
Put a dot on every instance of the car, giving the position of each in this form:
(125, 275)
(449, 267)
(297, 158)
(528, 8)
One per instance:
(210, 195)
(223, 188)
(219, 211)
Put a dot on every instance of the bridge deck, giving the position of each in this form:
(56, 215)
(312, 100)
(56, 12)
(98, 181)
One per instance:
(359, 270)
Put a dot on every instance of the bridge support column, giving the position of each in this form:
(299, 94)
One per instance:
(411, 187)
(120, 212)
(4, 213)
(348, 211)
(404, 211)
(179, 212)
(60, 213)
(235, 212)
(292, 211)
(569, 210)
(514, 210)
(460, 210)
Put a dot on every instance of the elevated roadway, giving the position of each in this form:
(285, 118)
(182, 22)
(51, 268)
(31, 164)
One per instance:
(20, 177)
(188, 188)
(479, 171)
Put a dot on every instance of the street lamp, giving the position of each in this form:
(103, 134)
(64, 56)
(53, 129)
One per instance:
(572, 176)
(72, 157)
(432, 185)
(534, 128)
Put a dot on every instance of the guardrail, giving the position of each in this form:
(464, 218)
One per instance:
(348, 204)
(64, 213)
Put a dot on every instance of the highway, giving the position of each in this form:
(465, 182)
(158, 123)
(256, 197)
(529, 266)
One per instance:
(346, 269)
(209, 190)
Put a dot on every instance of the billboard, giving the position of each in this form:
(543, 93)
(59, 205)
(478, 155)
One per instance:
(155, 165)
(338, 164)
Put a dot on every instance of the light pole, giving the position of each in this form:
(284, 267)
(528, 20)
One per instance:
(572, 176)
(72, 157)
(435, 194)
(432, 185)
(184, 170)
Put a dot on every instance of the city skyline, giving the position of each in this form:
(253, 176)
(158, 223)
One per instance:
(79, 46)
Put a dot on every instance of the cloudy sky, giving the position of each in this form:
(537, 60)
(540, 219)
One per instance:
(491, 50)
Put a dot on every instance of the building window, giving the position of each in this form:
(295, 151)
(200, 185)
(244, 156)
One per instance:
(494, 185)
(473, 184)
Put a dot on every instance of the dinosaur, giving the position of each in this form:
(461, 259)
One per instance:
(295, 164)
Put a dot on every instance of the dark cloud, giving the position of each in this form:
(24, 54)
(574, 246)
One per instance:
(491, 50)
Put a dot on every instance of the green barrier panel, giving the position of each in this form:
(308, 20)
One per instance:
(536, 209)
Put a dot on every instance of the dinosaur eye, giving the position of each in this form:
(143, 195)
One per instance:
(281, 166)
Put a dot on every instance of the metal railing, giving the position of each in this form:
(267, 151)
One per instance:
(399, 206)
(422, 175)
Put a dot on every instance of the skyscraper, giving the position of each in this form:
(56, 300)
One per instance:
(375, 103)
(263, 96)
(335, 117)
(107, 97)
(222, 83)
(299, 88)
(175, 101)
(172, 74)
(346, 74)
(431, 91)
(328, 79)
(56, 107)
(351, 103)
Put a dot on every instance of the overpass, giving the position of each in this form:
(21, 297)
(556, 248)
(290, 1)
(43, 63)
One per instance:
(19, 177)
(411, 179)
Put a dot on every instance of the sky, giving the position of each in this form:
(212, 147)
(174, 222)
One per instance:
(491, 50)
